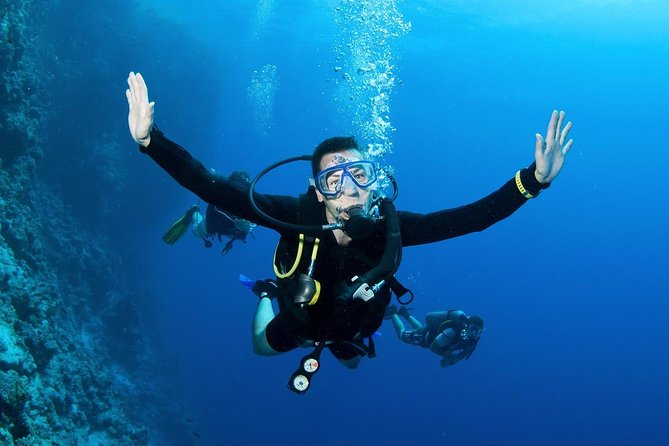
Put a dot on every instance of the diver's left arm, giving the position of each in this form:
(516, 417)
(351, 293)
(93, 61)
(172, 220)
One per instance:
(549, 155)
(526, 184)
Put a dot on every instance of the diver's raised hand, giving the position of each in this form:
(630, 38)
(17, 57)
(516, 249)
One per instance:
(140, 110)
(549, 154)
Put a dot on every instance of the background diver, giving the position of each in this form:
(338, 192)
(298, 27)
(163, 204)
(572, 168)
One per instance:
(334, 284)
(214, 224)
(450, 334)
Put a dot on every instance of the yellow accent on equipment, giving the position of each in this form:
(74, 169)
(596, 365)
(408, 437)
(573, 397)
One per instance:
(521, 188)
(316, 294)
(179, 228)
(300, 247)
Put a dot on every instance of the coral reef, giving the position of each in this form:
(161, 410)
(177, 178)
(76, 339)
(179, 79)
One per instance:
(59, 381)
(21, 114)
(76, 363)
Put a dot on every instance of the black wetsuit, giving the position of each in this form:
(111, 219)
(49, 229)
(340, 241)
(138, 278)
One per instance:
(327, 320)
(455, 348)
(220, 224)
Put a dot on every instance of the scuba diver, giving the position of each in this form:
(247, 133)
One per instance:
(341, 241)
(215, 224)
(450, 334)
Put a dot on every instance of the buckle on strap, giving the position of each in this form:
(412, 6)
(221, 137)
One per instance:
(399, 290)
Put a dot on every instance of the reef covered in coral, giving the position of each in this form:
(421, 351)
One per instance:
(57, 385)
(75, 360)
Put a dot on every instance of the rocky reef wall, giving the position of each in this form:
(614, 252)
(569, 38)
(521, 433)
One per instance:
(72, 348)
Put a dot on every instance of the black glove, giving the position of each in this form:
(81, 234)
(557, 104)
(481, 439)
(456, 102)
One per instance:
(265, 288)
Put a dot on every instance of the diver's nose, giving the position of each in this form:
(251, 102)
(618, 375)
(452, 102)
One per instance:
(349, 188)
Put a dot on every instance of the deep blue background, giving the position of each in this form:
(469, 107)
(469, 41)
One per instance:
(570, 286)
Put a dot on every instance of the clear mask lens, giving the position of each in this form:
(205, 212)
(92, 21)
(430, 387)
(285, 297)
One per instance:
(333, 180)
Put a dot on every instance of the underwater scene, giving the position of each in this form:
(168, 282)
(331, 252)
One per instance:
(360, 222)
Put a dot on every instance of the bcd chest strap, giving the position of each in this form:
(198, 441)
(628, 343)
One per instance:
(399, 290)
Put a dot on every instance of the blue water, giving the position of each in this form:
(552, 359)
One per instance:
(571, 286)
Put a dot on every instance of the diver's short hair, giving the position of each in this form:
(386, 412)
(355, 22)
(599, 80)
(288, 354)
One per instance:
(330, 145)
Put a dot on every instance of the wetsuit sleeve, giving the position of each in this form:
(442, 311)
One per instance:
(215, 189)
(419, 229)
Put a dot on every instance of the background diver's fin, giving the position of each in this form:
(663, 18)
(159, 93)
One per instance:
(179, 228)
(245, 281)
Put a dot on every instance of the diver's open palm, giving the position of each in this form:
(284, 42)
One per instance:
(140, 110)
(550, 154)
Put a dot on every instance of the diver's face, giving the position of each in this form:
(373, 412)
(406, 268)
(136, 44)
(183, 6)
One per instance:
(351, 195)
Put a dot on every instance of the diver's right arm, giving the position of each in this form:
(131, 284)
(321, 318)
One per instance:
(215, 189)
(140, 110)
(190, 172)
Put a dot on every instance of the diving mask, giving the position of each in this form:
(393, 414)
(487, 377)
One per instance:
(471, 332)
(330, 181)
